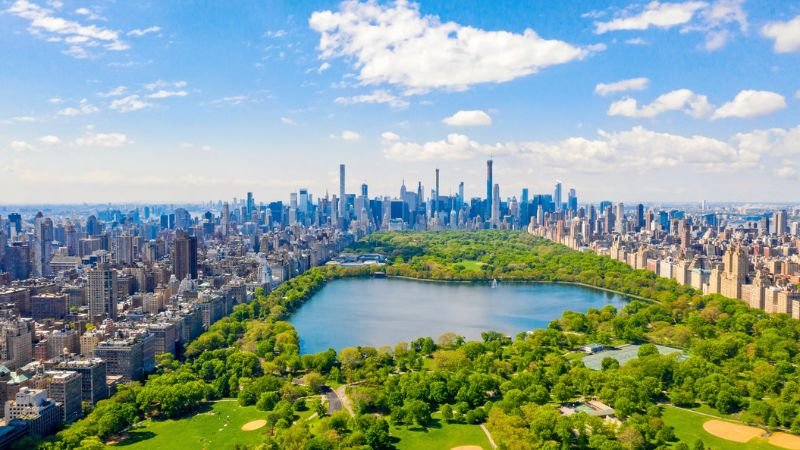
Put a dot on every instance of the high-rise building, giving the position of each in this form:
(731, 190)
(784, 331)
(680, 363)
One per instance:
(185, 255)
(101, 292)
(124, 252)
(32, 406)
(435, 201)
(226, 216)
(342, 205)
(781, 222)
(572, 201)
(16, 342)
(65, 388)
(489, 185)
(557, 196)
(250, 205)
(496, 204)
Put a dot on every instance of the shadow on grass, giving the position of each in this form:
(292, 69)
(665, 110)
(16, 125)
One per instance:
(434, 424)
(134, 437)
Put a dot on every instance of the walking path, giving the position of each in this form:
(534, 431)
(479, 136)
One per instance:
(488, 436)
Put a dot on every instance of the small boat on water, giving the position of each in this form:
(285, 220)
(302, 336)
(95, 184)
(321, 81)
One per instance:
(494, 283)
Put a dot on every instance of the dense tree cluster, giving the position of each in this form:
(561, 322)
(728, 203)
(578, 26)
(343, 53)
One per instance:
(740, 361)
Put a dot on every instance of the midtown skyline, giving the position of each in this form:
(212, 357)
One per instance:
(670, 101)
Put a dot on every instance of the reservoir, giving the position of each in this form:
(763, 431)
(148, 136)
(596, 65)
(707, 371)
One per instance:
(384, 311)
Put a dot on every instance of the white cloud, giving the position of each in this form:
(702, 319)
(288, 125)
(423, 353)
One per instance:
(388, 136)
(684, 100)
(232, 100)
(20, 146)
(378, 96)
(636, 41)
(787, 172)
(288, 121)
(468, 119)
(83, 108)
(632, 84)
(715, 19)
(323, 67)
(455, 147)
(129, 103)
(166, 94)
(277, 34)
(346, 135)
(785, 34)
(116, 92)
(635, 149)
(750, 103)
(655, 14)
(54, 100)
(106, 140)
(142, 32)
(91, 15)
(79, 37)
(161, 84)
(50, 140)
(395, 44)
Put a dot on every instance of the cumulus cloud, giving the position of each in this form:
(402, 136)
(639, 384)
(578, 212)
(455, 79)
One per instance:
(634, 149)
(388, 136)
(50, 140)
(395, 44)
(346, 135)
(455, 147)
(20, 146)
(631, 84)
(105, 140)
(746, 104)
(750, 103)
(655, 14)
(785, 34)
(678, 100)
(78, 38)
(83, 108)
(378, 96)
(468, 119)
(129, 103)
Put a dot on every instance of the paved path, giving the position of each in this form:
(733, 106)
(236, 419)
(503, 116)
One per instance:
(334, 404)
(488, 436)
(341, 392)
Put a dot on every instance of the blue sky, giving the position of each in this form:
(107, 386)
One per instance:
(198, 100)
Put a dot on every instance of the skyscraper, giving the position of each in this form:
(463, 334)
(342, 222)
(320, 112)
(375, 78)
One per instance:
(342, 205)
(185, 256)
(435, 203)
(489, 186)
(557, 196)
(250, 204)
(781, 224)
(101, 292)
(496, 204)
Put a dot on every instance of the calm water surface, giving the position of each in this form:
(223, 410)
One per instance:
(368, 311)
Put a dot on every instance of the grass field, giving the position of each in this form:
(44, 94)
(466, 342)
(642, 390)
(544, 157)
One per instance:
(441, 436)
(472, 265)
(689, 427)
(216, 427)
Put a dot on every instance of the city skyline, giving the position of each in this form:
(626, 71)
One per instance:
(631, 102)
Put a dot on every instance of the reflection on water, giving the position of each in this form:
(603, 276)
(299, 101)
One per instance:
(362, 311)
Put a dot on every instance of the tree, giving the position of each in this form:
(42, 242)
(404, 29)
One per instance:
(647, 350)
(418, 411)
(609, 363)
(447, 413)
(314, 381)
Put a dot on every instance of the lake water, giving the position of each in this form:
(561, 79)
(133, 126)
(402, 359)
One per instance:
(384, 311)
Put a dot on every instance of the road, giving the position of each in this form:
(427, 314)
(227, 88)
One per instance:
(334, 403)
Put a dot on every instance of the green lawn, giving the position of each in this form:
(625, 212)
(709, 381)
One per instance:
(689, 427)
(440, 436)
(472, 265)
(215, 427)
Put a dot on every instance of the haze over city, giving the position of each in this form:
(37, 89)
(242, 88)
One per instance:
(160, 101)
